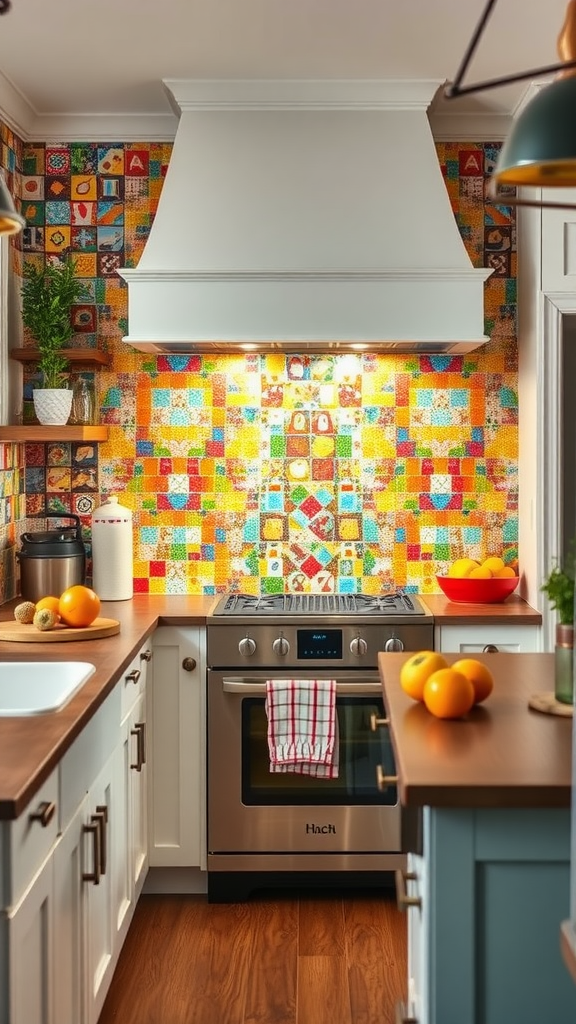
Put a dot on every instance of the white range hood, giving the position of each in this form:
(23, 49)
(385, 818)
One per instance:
(304, 216)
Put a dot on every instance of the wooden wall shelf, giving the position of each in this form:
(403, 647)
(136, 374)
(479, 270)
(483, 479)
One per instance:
(77, 356)
(36, 432)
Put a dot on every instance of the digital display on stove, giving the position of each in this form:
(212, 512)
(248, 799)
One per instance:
(315, 644)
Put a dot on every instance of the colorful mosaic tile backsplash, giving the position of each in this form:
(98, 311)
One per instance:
(275, 473)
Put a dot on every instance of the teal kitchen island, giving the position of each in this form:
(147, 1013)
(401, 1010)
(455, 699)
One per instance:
(489, 882)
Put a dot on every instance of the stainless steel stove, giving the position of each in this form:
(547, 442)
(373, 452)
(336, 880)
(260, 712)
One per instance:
(346, 630)
(270, 829)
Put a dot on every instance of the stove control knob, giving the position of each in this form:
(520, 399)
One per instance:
(247, 646)
(394, 644)
(358, 646)
(281, 646)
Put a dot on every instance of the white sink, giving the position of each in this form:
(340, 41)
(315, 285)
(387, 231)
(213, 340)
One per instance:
(35, 687)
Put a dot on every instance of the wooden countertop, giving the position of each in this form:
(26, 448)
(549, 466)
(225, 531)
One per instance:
(502, 754)
(452, 613)
(31, 746)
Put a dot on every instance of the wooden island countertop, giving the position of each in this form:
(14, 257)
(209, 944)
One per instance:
(502, 754)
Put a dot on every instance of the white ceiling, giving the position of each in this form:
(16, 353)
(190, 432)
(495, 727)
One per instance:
(68, 66)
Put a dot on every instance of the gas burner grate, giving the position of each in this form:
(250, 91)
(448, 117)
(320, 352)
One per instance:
(320, 604)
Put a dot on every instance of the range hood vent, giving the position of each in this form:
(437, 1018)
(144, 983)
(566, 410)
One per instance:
(304, 217)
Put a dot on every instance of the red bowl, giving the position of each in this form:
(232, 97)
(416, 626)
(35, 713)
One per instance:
(476, 591)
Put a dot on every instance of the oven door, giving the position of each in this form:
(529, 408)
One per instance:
(251, 809)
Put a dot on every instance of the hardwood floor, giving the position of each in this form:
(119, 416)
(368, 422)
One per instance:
(278, 960)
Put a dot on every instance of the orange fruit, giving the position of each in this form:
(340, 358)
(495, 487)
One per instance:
(494, 563)
(482, 572)
(479, 675)
(78, 606)
(52, 603)
(506, 573)
(416, 670)
(448, 693)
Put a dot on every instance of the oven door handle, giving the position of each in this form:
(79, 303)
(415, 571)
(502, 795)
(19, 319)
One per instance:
(344, 686)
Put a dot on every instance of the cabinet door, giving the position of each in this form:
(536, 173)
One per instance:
(30, 931)
(70, 919)
(474, 639)
(417, 887)
(104, 809)
(130, 852)
(138, 797)
(559, 244)
(498, 886)
(177, 746)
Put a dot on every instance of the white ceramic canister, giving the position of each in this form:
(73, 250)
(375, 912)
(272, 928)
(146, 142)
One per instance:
(112, 551)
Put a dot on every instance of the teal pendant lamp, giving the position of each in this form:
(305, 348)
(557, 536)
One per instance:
(541, 148)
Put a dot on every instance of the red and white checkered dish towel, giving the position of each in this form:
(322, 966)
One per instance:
(302, 726)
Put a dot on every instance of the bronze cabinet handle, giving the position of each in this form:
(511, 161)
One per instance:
(383, 780)
(377, 723)
(139, 731)
(146, 655)
(95, 830)
(403, 900)
(101, 817)
(133, 676)
(490, 649)
(43, 813)
(189, 664)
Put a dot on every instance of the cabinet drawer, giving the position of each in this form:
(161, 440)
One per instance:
(27, 842)
(133, 680)
(87, 756)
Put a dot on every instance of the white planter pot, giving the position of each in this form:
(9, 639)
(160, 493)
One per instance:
(52, 405)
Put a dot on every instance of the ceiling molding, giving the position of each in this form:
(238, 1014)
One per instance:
(30, 126)
(103, 127)
(476, 127)
(301, 94)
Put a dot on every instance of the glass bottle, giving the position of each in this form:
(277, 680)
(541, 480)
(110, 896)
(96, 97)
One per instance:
(83, 402)
(563, 664)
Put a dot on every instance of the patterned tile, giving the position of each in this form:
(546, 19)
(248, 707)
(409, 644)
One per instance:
(267, 473)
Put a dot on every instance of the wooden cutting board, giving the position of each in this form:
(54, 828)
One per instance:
(546, 702)
(28, 633)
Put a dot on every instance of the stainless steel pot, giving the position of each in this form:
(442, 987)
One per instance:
(52, 560)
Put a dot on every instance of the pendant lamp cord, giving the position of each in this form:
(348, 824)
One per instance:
(454, 89)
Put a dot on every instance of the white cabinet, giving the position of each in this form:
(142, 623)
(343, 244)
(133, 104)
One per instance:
(26, 920)
(130, 850)
(31, 976)
(559, 242)
(73, 865)
(546, 311)
(463, 639)
(70, 865)
(177, 745)
(100, 906)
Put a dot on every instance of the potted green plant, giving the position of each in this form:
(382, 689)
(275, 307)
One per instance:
(559, 588)
(48, 294)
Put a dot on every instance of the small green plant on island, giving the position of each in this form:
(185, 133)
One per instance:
(559, 589)
(48, 294)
